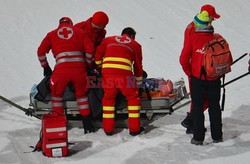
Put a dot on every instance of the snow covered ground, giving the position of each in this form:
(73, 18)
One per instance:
(160, 26)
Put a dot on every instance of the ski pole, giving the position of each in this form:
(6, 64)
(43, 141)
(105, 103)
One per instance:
(235, 79)
(242, 56)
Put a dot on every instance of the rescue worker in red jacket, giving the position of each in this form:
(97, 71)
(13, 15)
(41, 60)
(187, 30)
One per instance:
(68, 45)
(121, 60)
(95, 27)
(191, 62)
(189, 31)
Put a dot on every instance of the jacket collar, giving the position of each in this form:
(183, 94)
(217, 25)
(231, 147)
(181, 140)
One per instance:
(209, 29)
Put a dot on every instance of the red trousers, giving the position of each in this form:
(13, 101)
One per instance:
(60, 79)
(112, 84)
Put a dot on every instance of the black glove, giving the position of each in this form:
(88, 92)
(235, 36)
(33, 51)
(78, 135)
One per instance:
(47, 71)
(140, 91)
(87, 125)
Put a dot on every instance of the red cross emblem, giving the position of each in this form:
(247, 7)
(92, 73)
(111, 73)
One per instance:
(123, 39)
(65, 33)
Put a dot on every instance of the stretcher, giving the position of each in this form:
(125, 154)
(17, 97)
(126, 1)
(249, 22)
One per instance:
(151, 108)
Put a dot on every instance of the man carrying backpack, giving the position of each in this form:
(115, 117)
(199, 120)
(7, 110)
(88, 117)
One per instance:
(190, 29)
(202, 84)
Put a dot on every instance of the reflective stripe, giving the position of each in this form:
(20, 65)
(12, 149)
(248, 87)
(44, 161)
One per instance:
(69, 53)
(89, 55)
(69, 60)
(124, 60)
(42, 57)
(108, 108)
(134, 115)
(139, 82)
(98, 62)
(57, 104)
(134, 107)
(104, 115)
(138, 78)
(56, 145)
(82, 107)
(119, 66)
(56, 98)
(89, 61)
(49, 130)
(44, 63)
(82, 99)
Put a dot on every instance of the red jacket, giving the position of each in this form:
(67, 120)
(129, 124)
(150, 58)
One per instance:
(191, 55)
(95, 35)
(68, 45)
(120, 55)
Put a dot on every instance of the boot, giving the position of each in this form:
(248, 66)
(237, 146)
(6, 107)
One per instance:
(188, 121)
(217, 141)
(87, 125)
(195, 142)
(109, 133)
(190, 130)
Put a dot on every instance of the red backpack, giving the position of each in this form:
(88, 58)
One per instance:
(217, 59)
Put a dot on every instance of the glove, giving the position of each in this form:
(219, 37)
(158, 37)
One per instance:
(87, 125)
(47, 71)
(140, 91)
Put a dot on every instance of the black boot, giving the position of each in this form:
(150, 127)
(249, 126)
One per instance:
(137, 133)
(87, 125)
(188, 122)
(109, 133)
(191, 131)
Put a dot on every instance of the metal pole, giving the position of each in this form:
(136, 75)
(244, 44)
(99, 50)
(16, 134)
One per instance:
(25, 110)
(237, 78)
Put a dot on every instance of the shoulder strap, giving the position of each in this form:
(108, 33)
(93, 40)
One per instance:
(38, 146)
(216, 36)
(224, 94)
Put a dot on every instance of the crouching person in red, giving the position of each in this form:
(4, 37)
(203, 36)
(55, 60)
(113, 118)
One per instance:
(121, 60)
(69, 46)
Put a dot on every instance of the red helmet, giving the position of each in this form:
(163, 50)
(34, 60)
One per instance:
(100, 18)
(66, 20)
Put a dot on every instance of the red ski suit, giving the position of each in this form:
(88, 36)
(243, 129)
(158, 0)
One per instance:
(68, 45)
(121, 60)
(185, 58)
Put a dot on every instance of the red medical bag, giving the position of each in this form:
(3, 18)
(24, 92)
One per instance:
(54, 135)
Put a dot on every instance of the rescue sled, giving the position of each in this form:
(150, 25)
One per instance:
(152, 108)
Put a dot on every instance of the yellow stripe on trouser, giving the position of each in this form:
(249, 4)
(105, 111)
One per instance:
(134, 107)
(134, 115)
(124, 60)
(120, 66)
(108, 108)
(108, 115)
